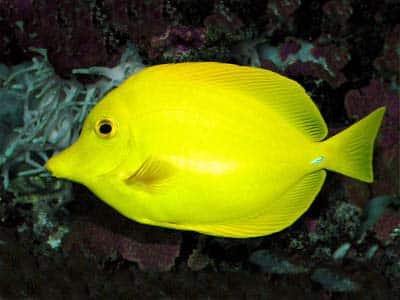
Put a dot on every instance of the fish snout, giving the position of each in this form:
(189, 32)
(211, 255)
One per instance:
(62, 165)
(51, 166)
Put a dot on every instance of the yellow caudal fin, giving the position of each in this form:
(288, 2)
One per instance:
(351, 151)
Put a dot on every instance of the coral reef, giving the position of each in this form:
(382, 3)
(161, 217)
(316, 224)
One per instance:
(176, 42)
(280, 16)
(152, 253)
(344, 52)
(388, 64)
(333, 282)
(320, 59)
(271, 264)
(86, 33)
(43, 114)
(360, 102)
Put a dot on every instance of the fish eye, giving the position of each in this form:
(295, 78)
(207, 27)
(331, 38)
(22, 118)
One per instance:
(105, 128)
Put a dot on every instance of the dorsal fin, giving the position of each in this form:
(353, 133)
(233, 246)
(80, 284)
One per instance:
(152, 175)
(281, 94)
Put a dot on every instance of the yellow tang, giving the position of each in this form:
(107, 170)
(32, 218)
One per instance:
(216, 148)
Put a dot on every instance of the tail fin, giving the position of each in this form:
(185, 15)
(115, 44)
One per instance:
(351, 151)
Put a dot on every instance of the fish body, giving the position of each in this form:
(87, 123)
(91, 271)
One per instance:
(216, 148)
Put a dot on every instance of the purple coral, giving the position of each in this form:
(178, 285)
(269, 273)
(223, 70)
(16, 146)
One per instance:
(321, 59)
(77, 34)
(386, 224)
(176, 41)
(360, 102)
(291, 46)
(281, 16)
(149, 256)
(155, 252)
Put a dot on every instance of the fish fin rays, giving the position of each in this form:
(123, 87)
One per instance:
(350, 152)
(152, 175)
(281, 94)
(287, 210)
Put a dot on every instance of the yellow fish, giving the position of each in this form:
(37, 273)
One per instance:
(217, 148)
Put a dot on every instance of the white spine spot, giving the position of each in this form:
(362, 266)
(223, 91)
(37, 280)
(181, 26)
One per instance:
(318, 160)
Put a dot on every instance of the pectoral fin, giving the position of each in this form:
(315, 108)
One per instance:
(152, 175)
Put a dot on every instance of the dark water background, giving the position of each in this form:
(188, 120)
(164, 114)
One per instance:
(345, 53)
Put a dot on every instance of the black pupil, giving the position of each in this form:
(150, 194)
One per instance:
(105, 128)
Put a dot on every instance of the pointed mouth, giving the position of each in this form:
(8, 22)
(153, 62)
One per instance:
(59, 165)
(49, 165)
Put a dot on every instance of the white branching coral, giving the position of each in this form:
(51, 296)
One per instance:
(41, 114)
(53, 109)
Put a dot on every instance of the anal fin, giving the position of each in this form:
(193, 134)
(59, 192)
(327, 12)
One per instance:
(287, 209)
